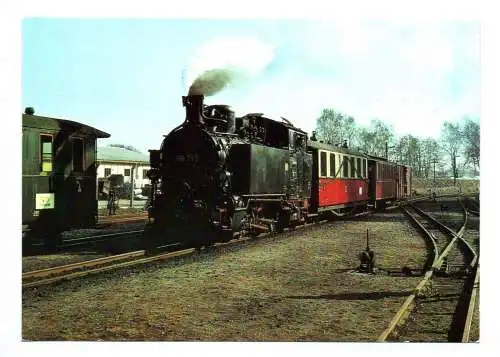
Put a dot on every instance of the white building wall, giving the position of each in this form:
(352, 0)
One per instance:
(119, 169)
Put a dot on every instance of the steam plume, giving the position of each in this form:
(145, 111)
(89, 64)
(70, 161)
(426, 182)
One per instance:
(223, 61)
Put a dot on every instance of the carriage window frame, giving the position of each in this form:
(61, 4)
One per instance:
(352, 161)
(323, 164)
(332, 165)
(363, 168)
(358, 165)
(345, 166)
(46, 157)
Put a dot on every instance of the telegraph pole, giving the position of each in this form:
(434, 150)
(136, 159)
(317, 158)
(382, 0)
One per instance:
(434, 171)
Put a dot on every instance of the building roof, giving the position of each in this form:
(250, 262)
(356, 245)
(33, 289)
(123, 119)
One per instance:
(55, 124)
(117, 154)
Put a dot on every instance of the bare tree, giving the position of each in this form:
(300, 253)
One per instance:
(431, 156)
(452, 143)
(471, 136)
(377, 138)
(334, 127)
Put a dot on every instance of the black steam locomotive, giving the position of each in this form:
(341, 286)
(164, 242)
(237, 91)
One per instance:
(215, 175)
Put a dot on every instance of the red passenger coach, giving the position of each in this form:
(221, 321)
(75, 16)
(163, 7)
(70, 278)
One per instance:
(388, 181)
(339, 178)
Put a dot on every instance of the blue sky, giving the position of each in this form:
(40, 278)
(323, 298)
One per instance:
(126, 76)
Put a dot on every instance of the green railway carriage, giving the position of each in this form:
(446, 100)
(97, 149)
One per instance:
(59, 176)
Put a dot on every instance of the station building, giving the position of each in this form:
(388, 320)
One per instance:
(122, 161)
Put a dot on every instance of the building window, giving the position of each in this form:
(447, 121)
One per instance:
(126, 172)
(323, 163)
(46, 153)
(107, 172)
(345, 164)
(144, 174)
(78, 153)
(332, 165)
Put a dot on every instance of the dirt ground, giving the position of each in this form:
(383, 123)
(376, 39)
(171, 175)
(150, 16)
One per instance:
(298, 287)
(444, 186)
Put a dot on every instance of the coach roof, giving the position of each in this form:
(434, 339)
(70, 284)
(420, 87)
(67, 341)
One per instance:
(54, 124)
(328, 147)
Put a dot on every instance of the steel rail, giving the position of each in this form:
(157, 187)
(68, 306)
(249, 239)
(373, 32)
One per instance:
(408, 304)
(456, 235)
(471, 306)
(85, 264)
(428, 234)
(117, 219)
(108, 268)
(98, 237)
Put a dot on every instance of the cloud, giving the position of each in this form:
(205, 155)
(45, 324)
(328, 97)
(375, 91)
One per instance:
(414, 76)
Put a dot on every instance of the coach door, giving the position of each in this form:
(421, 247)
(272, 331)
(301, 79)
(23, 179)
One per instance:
(76, 185)
(398, 181)
(372, 179)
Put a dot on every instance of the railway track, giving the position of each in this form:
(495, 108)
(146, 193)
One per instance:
(135, 258)
(129, 259)
(442, 305)
(76, 270)
(100, 238)
(109, 220)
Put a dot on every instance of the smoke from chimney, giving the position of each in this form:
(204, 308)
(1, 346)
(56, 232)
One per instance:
(224, 61)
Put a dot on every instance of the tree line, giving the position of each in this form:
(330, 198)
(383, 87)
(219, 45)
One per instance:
(455, 153)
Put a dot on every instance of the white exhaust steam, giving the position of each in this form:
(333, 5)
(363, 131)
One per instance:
(224, 61)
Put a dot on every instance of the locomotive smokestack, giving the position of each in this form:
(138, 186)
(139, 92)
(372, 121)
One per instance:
(194, 107)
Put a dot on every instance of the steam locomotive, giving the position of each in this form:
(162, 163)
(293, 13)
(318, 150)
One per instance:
(215, 175)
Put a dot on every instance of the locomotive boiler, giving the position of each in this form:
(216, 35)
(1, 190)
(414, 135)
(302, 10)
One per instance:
(215, 175)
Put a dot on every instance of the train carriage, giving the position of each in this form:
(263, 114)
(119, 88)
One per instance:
(59, 176)
(388, 181)
(339, 178)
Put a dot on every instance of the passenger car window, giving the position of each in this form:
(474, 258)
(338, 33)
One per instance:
(345, 164)
(46, 153)
(332, 165)
(323, 164)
